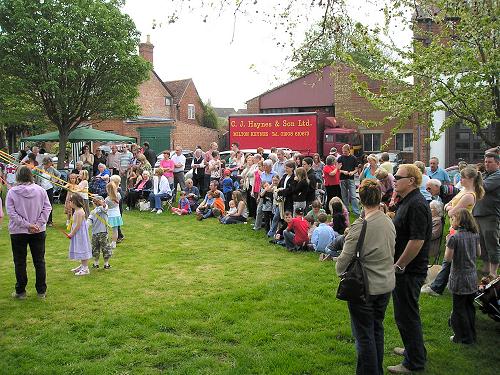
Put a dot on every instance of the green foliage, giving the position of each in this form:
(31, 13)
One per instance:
(210, 119)
(76, 58)
(335, 39)
(455, 69)
(204, 299)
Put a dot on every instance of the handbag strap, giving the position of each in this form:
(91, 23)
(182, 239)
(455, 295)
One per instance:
(361, 240)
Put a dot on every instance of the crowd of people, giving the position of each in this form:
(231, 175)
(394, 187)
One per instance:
(301, 203)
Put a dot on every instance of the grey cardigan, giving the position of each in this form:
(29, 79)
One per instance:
(377, 255)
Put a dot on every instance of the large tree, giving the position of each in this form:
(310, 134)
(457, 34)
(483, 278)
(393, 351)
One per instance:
(77, 58)
(18, 111)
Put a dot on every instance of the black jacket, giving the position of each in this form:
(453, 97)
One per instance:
(300, 191)
(287, 192)
(313, 182)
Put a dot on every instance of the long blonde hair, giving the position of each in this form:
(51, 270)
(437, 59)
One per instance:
(112, 191)
(472, 173)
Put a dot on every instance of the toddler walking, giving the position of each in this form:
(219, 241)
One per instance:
(79, 247)
(462, 248)
(114, 217)
(100, 241)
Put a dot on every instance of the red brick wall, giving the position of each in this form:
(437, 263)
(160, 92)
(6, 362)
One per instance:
(151, 98)
(190, 97)
(188, 136)
(253, 105)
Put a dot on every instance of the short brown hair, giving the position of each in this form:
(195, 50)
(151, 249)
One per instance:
(24, 175)
(370, 193)
(322, 217)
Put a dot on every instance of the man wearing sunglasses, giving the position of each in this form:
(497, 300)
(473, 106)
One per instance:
(413, 224)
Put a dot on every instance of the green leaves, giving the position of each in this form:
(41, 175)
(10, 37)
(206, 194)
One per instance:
(77, 57)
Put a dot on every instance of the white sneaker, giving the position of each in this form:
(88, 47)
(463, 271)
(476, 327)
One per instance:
(426, 289)
(127, 208)
(83, 272)
(159, 212)
(113, 245)
(76, 269)
(153, 210)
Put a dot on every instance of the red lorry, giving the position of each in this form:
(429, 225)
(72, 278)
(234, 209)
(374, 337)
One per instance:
(304, 132)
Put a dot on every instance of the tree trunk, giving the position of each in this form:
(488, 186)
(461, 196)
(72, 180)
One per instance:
(496, 126)
(3, 138)
(63, 139)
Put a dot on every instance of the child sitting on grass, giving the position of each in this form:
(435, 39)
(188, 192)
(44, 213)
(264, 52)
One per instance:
(184, 205)
(338, 217)
(345, 211)
(295, 235)
(462, 248)
(315, 211)
(100, 241)
(218, 208)
(282, 225)
(232, 211)
(323, 235)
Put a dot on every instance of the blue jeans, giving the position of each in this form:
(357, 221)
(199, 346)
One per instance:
(407, 315)
(441, 280)
(348, 190)
(367, 324)
(155, 199)
(274, 222)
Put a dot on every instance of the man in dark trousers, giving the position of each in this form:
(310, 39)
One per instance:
(149, 154)
(311, 193)
(413, 223)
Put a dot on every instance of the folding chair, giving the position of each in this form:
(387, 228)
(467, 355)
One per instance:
(168, 202)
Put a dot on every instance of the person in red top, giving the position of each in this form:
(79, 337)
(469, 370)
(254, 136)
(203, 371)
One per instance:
(295, 235)
(331, 178)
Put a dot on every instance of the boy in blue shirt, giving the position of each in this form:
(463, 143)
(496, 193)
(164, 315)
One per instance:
(323, 235)
(227, 187)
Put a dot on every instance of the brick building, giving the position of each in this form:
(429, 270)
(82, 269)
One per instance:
(329, 93)
(160, 123)
(187, 101)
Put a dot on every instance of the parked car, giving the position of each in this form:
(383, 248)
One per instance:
(395, 158)
(187, 153)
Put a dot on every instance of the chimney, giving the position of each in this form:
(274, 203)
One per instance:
(146, 50)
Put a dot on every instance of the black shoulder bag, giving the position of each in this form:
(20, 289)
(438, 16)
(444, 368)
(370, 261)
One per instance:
(353, 284)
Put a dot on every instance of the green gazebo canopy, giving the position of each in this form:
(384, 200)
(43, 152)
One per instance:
(79, 135)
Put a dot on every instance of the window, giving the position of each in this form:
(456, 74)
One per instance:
(191, 112)
(342, 138)
(168, 101)
(372, 142)
(404, 142)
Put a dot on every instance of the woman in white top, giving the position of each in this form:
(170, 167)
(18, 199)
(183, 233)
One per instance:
(161, 190)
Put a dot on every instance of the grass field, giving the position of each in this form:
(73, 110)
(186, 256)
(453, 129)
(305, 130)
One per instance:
(189, 297)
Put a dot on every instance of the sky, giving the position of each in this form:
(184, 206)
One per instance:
(226, 70)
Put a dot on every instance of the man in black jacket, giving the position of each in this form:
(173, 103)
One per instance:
(311, 193)
(149, 154)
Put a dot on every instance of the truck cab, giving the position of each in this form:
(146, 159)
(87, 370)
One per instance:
(336, 136)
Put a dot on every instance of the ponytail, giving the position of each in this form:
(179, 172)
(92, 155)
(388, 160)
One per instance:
(478, 186)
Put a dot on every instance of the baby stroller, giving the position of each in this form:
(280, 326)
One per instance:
(98, 187)
(488, 300)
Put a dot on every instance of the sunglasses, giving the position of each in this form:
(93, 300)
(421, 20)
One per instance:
(397, 178)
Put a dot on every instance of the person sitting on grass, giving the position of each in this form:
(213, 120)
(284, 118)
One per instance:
(345, 211)
(192, 194)
(232, 210)
(322, 236)
(315, 211)
(282, 226)
(218, 207)
(338, 218)
(184, 207)
(335, 248)
(100, 241)
(241, 214)
(295, 235)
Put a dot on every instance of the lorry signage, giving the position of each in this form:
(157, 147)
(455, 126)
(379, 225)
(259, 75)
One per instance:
(298, 132)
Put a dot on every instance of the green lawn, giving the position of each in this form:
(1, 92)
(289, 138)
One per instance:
(189, 297)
